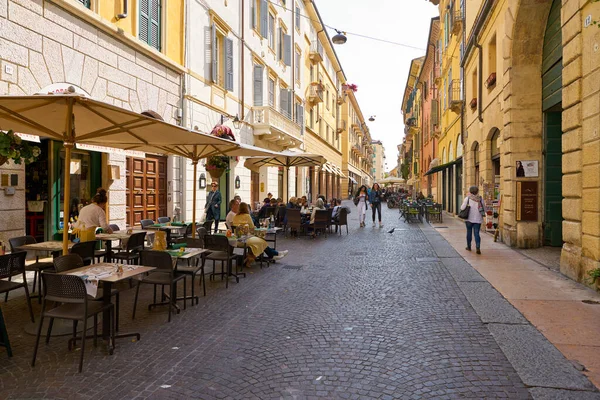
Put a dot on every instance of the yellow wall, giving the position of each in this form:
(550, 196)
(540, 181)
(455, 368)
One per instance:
(173, 31)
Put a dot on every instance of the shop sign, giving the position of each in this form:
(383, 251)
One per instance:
(527, 169)
(527, 201)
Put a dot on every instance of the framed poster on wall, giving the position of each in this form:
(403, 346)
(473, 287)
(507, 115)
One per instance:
(527, 169)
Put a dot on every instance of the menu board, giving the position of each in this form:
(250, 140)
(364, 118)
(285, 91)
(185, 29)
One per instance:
(527, 201)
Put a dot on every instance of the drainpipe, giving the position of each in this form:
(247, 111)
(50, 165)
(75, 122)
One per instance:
(480, 83)
(124, 14)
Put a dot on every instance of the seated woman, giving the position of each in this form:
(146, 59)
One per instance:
(255, 244)
(319, 205)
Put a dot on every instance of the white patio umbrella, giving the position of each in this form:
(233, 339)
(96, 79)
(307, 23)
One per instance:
(285, 159)
(76, 119)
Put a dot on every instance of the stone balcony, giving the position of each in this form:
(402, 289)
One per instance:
(273, 126)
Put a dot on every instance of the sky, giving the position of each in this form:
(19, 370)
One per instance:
(380, 69)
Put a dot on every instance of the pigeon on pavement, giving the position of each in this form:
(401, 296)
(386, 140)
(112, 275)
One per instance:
(391, 230)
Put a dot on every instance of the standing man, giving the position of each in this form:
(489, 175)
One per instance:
(213, 205)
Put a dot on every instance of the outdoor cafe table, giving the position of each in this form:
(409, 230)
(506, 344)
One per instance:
(107, 273)
(172, 228)
(51, 246)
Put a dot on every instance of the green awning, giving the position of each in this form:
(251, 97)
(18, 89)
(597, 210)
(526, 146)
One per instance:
(442, 167)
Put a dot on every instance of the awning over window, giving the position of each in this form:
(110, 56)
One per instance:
(442, 167)
(353, 180)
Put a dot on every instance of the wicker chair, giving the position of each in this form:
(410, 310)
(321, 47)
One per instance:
(294, 221)
(208, 225)
(37, 267)
(322, 221)
(342, 219)
(12, 265)
(164, 275)
(68, 291)
(163, 220)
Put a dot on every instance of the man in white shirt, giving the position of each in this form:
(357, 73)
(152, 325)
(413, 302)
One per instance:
(234, 207)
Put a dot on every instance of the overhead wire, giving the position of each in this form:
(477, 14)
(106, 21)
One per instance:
(350, 33)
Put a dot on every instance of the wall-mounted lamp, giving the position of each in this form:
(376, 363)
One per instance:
(202, 181)
(238, 183)
(236, 122)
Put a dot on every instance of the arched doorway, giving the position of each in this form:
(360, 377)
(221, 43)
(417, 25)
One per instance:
(552, 108)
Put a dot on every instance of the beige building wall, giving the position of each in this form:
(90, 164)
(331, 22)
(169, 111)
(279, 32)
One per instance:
(378, 161)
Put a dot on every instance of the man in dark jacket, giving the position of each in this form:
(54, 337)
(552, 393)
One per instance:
(213, 205)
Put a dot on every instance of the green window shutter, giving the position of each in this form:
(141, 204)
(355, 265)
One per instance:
(228, 64)
(86, 3)
(258, 85)
(287, 50)
(264, 18)
(155, 25)
(150, 26)
(144, 20)
(214, 55)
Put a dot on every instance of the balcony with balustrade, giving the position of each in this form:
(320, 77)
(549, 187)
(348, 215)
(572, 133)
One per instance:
(274, 126)
(316, 52)
(314, 93)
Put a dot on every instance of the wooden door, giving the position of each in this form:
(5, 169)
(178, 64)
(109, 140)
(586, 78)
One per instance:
(255, 188)
(146, 188)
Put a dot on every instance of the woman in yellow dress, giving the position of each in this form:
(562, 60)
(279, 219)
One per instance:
(256, 245)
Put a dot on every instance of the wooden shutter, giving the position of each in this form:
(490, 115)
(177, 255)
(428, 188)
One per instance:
(213, 54)
(144, 20)
(264, 18)
(280, 44)
(435, 105)
(299, 114)
(155, 9)
(287, 50)
(258, 85)
(252, 14)
(228, 64)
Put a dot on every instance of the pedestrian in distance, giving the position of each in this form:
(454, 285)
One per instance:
(475, 218)
(361, 200)
(213, 205)
(375, 198)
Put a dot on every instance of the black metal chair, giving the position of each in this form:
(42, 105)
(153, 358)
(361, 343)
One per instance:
(102, 252)
(163, 220)
(135, 244)
(221, 251)
(329, 218)
(342, 220)
(208, 225)
(145, 223)
(86, 250)
(192, 270)
(37, 267)
(164, 275)
(74, 261)
(68, 292)
(270, 212)
(12, 265)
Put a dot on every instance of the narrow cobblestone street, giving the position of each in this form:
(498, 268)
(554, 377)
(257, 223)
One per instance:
(371, 314)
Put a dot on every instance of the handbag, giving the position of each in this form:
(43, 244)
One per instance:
(356, 200)
(464, 214)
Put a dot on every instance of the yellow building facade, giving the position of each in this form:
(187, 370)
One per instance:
(411, 107)
(322, 108)
(532, 142)
(356, 146)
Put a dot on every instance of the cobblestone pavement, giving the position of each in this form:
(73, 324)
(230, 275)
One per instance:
(365, 315)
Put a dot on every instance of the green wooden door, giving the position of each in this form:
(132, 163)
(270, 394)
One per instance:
(551, 105)
(553, 180)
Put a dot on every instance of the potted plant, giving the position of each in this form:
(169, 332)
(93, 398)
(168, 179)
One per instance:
(217, 165)
(12, 147)
(350, 87)
(473, 103)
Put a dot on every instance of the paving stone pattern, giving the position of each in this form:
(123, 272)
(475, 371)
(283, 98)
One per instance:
(348, 317)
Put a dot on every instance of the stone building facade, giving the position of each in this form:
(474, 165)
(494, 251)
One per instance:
(50, 46)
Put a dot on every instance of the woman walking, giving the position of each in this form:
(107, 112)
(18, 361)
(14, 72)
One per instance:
(362, 201)
(475, 218)
(375, 199)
